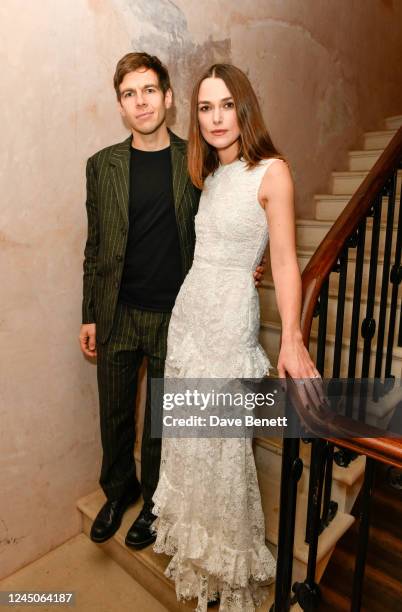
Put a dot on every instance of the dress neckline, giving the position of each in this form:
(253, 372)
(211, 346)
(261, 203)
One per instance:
(235, 161)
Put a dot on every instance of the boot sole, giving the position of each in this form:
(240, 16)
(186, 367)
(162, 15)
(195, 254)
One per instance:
(140, 545)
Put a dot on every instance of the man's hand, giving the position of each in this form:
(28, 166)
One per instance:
(87, 339)
(259, 272)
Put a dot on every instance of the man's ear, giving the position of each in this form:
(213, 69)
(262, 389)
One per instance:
(169, 98)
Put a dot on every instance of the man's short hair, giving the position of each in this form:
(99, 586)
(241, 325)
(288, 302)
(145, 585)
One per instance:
(134, 61)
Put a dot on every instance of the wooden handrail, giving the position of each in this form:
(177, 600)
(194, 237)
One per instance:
(386, 450)
(328, 251)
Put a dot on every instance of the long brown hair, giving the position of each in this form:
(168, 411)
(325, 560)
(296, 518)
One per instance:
(255, 141)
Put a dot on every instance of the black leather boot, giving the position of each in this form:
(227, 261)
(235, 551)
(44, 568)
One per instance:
(108, 519)
(140, 535)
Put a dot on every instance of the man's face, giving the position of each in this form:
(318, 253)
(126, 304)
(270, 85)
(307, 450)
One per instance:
(142, 102)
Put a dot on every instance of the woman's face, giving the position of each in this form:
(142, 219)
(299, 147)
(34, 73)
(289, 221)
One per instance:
(217, 116)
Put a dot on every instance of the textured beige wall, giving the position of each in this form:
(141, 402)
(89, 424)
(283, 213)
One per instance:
(324, 72)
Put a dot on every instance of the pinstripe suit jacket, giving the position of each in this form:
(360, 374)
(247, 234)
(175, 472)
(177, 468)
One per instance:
(108, 217)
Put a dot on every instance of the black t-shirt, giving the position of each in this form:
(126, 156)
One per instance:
(152, 272)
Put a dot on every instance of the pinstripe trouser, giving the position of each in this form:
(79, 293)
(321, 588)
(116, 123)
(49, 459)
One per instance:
(135, 334)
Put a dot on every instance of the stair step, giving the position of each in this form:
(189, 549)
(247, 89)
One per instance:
(146, 566)
(378, 139)
(304, 254)
(364, 159)
(79, 566)
(345, 475)
(311, 232)
(346, 481)
(393, 123)
(347, 183)
(270, 336)
(328, 207)
(268, 456)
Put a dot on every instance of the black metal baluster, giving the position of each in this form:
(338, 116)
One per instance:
(354, 328)
(342, 456)
(307, 593)
(364, 513)
(340, 311)
(322, 327)
(322, 311)
(292, 468)
(395, 278)
(385, 279)
(309, 499)
(368, 324)
(329, 507)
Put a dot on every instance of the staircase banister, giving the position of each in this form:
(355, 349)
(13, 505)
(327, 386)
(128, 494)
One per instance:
(337, 430)
(384, 450)
(318, 269)
(326, 255)
(344, 431)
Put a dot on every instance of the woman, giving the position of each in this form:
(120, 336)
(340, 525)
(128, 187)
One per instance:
(207, 501)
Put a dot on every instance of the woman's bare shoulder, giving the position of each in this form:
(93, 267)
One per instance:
(277, 180)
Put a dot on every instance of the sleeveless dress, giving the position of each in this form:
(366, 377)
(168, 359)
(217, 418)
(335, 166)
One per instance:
(207, 503)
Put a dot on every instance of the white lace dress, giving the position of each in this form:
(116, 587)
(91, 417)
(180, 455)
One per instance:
(208, 503)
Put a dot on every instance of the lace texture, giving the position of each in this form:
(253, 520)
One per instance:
(208, 503)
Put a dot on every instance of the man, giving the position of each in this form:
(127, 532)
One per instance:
(141, 207)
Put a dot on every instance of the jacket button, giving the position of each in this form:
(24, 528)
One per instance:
(119, 258)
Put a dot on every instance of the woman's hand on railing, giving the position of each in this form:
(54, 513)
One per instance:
(294, 360)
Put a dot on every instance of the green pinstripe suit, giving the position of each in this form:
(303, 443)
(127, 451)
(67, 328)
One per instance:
(125, 335)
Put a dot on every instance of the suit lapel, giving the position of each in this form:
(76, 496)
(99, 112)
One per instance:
(120, 162)
(179, 169)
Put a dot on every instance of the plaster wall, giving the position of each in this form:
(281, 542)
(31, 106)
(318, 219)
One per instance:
(324, 72)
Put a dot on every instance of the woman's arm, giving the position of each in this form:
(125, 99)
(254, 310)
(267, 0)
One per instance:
(276, 196)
